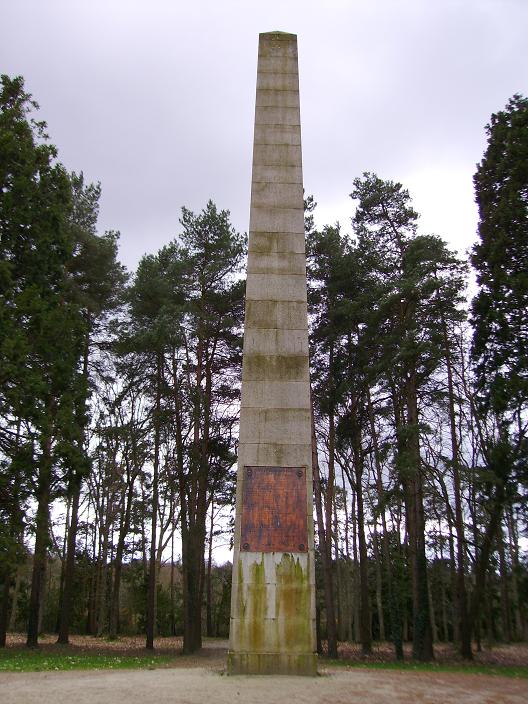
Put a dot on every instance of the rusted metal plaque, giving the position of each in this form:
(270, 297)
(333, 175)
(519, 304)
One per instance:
(274, 510)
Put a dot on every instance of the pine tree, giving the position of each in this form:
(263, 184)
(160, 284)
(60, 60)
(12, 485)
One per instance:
(500, 257)
(41, 329)
(500, 320)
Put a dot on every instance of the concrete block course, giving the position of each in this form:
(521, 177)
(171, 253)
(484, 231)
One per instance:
(277, 263)
(276, 173)
(281, 81)
(282, 155)
(276, 219)
(275, 342)
(277, 134)
(283, 98)
(276, 287)
(275, 455)
(280, 242)
(279, 425)
(277, 65)
(276, 115)
(278, 195)
(282, 315)
(276, 394)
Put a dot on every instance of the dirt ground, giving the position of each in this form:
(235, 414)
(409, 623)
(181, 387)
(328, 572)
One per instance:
(185, 685)
(200, 679)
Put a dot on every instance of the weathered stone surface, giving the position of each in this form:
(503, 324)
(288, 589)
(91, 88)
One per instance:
(253, 663)
(278, 81)
(277, 45)
(275, 367)
(276, 115)
(275, 342)
(274, 219)
(277, 263)
(279, 64)
(282, 155)
(273, 594)
(276, 394)
(280, 425)
(270, 242)
(276, 173)
(281, 315)
(276, 287)
(276, 195)
(274, 454)
(277, 134)
(282, 98)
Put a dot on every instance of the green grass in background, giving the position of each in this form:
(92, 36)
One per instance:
(15, 660)
(504, 671)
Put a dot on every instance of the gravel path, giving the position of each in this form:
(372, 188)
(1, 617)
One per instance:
(206, 686)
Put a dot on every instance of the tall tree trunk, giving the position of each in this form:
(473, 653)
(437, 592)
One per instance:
(366, 636)
(4, 607)
(41, 541)
(67, 594)
(14, 602)
(152, 573)
(118, 559)
(461, 593)
(328, 581)
(67, 585)
(193, 540)
(91, 625)
(484, 553)
(172, 606)
(422, 636)
(393, 592)
(191, 557)
(355, 572)
(434, 630)
(520, 626)
(63, 559)
(209, 586)
(337, 573)
(453, 578)
(102, 579)
(504, 589)
(347, 572)
(445, 626)
(379, 595)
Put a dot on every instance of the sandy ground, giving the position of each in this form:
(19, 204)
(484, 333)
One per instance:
(206, 686)
(200, 679)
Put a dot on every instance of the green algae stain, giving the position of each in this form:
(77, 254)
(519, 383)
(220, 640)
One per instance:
(252, 610)
(292, 606)
(288, 627)
(276, 367)
(241, 604)
(257, 596)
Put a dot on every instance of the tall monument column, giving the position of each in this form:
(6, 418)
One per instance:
(273, 595)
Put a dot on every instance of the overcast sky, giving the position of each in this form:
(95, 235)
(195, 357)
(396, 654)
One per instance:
(155, 99)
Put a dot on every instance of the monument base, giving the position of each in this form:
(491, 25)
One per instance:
(272, 664)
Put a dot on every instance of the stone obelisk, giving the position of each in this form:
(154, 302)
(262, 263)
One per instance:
(273, 595)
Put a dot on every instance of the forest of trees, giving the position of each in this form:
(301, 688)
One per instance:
(119, 401)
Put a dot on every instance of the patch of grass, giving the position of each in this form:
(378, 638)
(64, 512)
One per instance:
(504, 671)
(15, 660)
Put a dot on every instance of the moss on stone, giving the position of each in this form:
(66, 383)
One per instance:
(292, 606)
